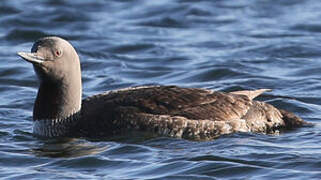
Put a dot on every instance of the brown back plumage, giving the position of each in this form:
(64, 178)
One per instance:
(181, 112)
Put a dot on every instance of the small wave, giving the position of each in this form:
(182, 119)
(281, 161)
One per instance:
(212, 75)
(314, 28)
(25, 35)
(168, 22)
(128, 48)
(6, 10)
(69, 16)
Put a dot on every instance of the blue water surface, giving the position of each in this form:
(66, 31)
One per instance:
(215, 44)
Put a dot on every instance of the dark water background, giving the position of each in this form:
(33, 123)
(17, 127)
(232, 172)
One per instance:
(221, 45)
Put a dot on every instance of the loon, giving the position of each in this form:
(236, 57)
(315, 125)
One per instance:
(190, 113)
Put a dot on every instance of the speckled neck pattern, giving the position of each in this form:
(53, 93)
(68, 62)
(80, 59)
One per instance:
(55, 127)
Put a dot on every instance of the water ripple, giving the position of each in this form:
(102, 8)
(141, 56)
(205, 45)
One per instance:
(220, 45)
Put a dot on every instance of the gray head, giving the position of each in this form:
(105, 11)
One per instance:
(57, 66)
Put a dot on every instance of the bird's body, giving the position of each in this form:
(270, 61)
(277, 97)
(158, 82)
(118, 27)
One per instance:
(173, 111)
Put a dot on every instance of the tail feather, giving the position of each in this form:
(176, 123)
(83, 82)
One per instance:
(251, 94)
(292, 121)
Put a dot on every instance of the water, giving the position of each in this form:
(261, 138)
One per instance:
(221, 45)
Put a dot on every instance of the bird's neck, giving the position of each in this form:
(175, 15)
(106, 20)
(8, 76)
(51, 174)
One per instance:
(57, 107)
(57, 101)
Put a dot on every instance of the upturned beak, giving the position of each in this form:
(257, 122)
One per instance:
(31, 57)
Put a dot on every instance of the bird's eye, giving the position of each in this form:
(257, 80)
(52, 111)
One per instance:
(58, 53)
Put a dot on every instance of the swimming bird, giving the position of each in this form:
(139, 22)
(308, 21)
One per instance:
(172, 111)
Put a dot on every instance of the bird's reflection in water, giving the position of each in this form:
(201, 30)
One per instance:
(74, 147)
(68, 147)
